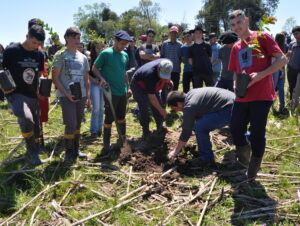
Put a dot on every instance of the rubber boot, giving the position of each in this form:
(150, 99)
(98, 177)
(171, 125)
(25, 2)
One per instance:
(122, 128)
(70, 156)
(146, 133)
(106, 139)
(32, 151)
(254, 166)
(243, 155)
(77, 151)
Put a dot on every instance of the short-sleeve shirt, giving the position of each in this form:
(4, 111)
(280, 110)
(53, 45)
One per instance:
(147, 77)
(200, 54)
(184, 51)
(24, 67)
(244, 59)
(148, 49)
(224, 55)
(201, 101)
(295, 58)
(215, 57)
(113, 68)
(171, 51)
(72, 69)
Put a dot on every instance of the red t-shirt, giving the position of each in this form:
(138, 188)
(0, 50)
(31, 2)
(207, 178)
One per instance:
(242, 58)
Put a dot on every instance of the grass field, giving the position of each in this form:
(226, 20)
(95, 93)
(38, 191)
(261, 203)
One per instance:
(142, 189)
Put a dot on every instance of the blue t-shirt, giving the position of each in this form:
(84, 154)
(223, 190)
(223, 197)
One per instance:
(184, 50)
(215, 57)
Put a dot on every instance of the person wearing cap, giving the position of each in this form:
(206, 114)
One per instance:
(110, 67)
(71, 66)
(226, 80)
(252, 109)
(187, 77)
(149, 51)
(215, 60)
(146, 84)
(204, 109)
(171, 50)
(200, 56)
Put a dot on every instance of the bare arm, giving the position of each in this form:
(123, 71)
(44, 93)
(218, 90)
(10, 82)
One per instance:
(280, 61)
(87, 88)
(176, 150)
(155, 103)
(97, 73)
(56, 81)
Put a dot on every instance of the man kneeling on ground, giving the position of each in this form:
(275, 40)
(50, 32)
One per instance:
(206, 109)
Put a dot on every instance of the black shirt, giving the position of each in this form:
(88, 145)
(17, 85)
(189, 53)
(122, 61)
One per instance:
(24, 67)
(201, 53)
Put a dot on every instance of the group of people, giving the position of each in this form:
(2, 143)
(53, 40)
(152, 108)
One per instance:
(151, 74)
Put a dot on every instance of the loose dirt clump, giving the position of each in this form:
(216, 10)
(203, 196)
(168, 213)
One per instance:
(151, 155)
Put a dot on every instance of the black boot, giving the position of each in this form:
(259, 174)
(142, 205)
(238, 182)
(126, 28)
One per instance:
(254, 167)
(122, 128)
(70, 156)
(106, 139)
(32, 151)
(243, 155)
(146, 133)
(77, 151)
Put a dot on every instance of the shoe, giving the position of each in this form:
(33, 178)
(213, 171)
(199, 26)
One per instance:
(202, 163)
(243, 155)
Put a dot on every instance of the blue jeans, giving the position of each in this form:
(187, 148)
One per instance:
(207, 123)
(278, 80)
(98, 108)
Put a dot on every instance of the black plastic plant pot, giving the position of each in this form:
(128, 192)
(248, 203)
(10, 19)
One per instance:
(76, 90)
(45, 87)
(6, 80)
(242, 81)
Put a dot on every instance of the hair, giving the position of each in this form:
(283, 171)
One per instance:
(93, 46)
(280, 39)
(174, 97)
(37, 31)
(296, 28)
(150, 30)
(237, 13)
(34, 21)
(1, 48)
(186, 32)
(71, 32)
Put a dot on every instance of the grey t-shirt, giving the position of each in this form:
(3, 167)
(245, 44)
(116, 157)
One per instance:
(203, 101)
(171, 51)
(224, 55)
(73, 67)
(295, 58)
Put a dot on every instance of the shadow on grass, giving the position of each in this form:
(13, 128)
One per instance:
(248, 196)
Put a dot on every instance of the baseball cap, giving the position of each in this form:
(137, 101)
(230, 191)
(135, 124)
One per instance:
(143, 38)
(212, 35)
(165, 69)
(174, 28)
(123, 35)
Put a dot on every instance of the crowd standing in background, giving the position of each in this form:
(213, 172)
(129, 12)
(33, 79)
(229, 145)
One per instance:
(104, 74)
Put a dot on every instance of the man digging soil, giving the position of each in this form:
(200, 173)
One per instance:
(206, 109)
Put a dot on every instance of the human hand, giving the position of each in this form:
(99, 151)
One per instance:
(71, 98)
(255, 77)
(129, 93)
(172, 154)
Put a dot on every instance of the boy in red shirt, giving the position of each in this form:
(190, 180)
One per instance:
(254, 107)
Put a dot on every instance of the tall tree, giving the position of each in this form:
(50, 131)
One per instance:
(96, 18)
(214, 13)
(149, 11)
(289, 24)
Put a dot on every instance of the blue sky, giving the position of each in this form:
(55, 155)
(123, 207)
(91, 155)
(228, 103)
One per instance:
(59, 14)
